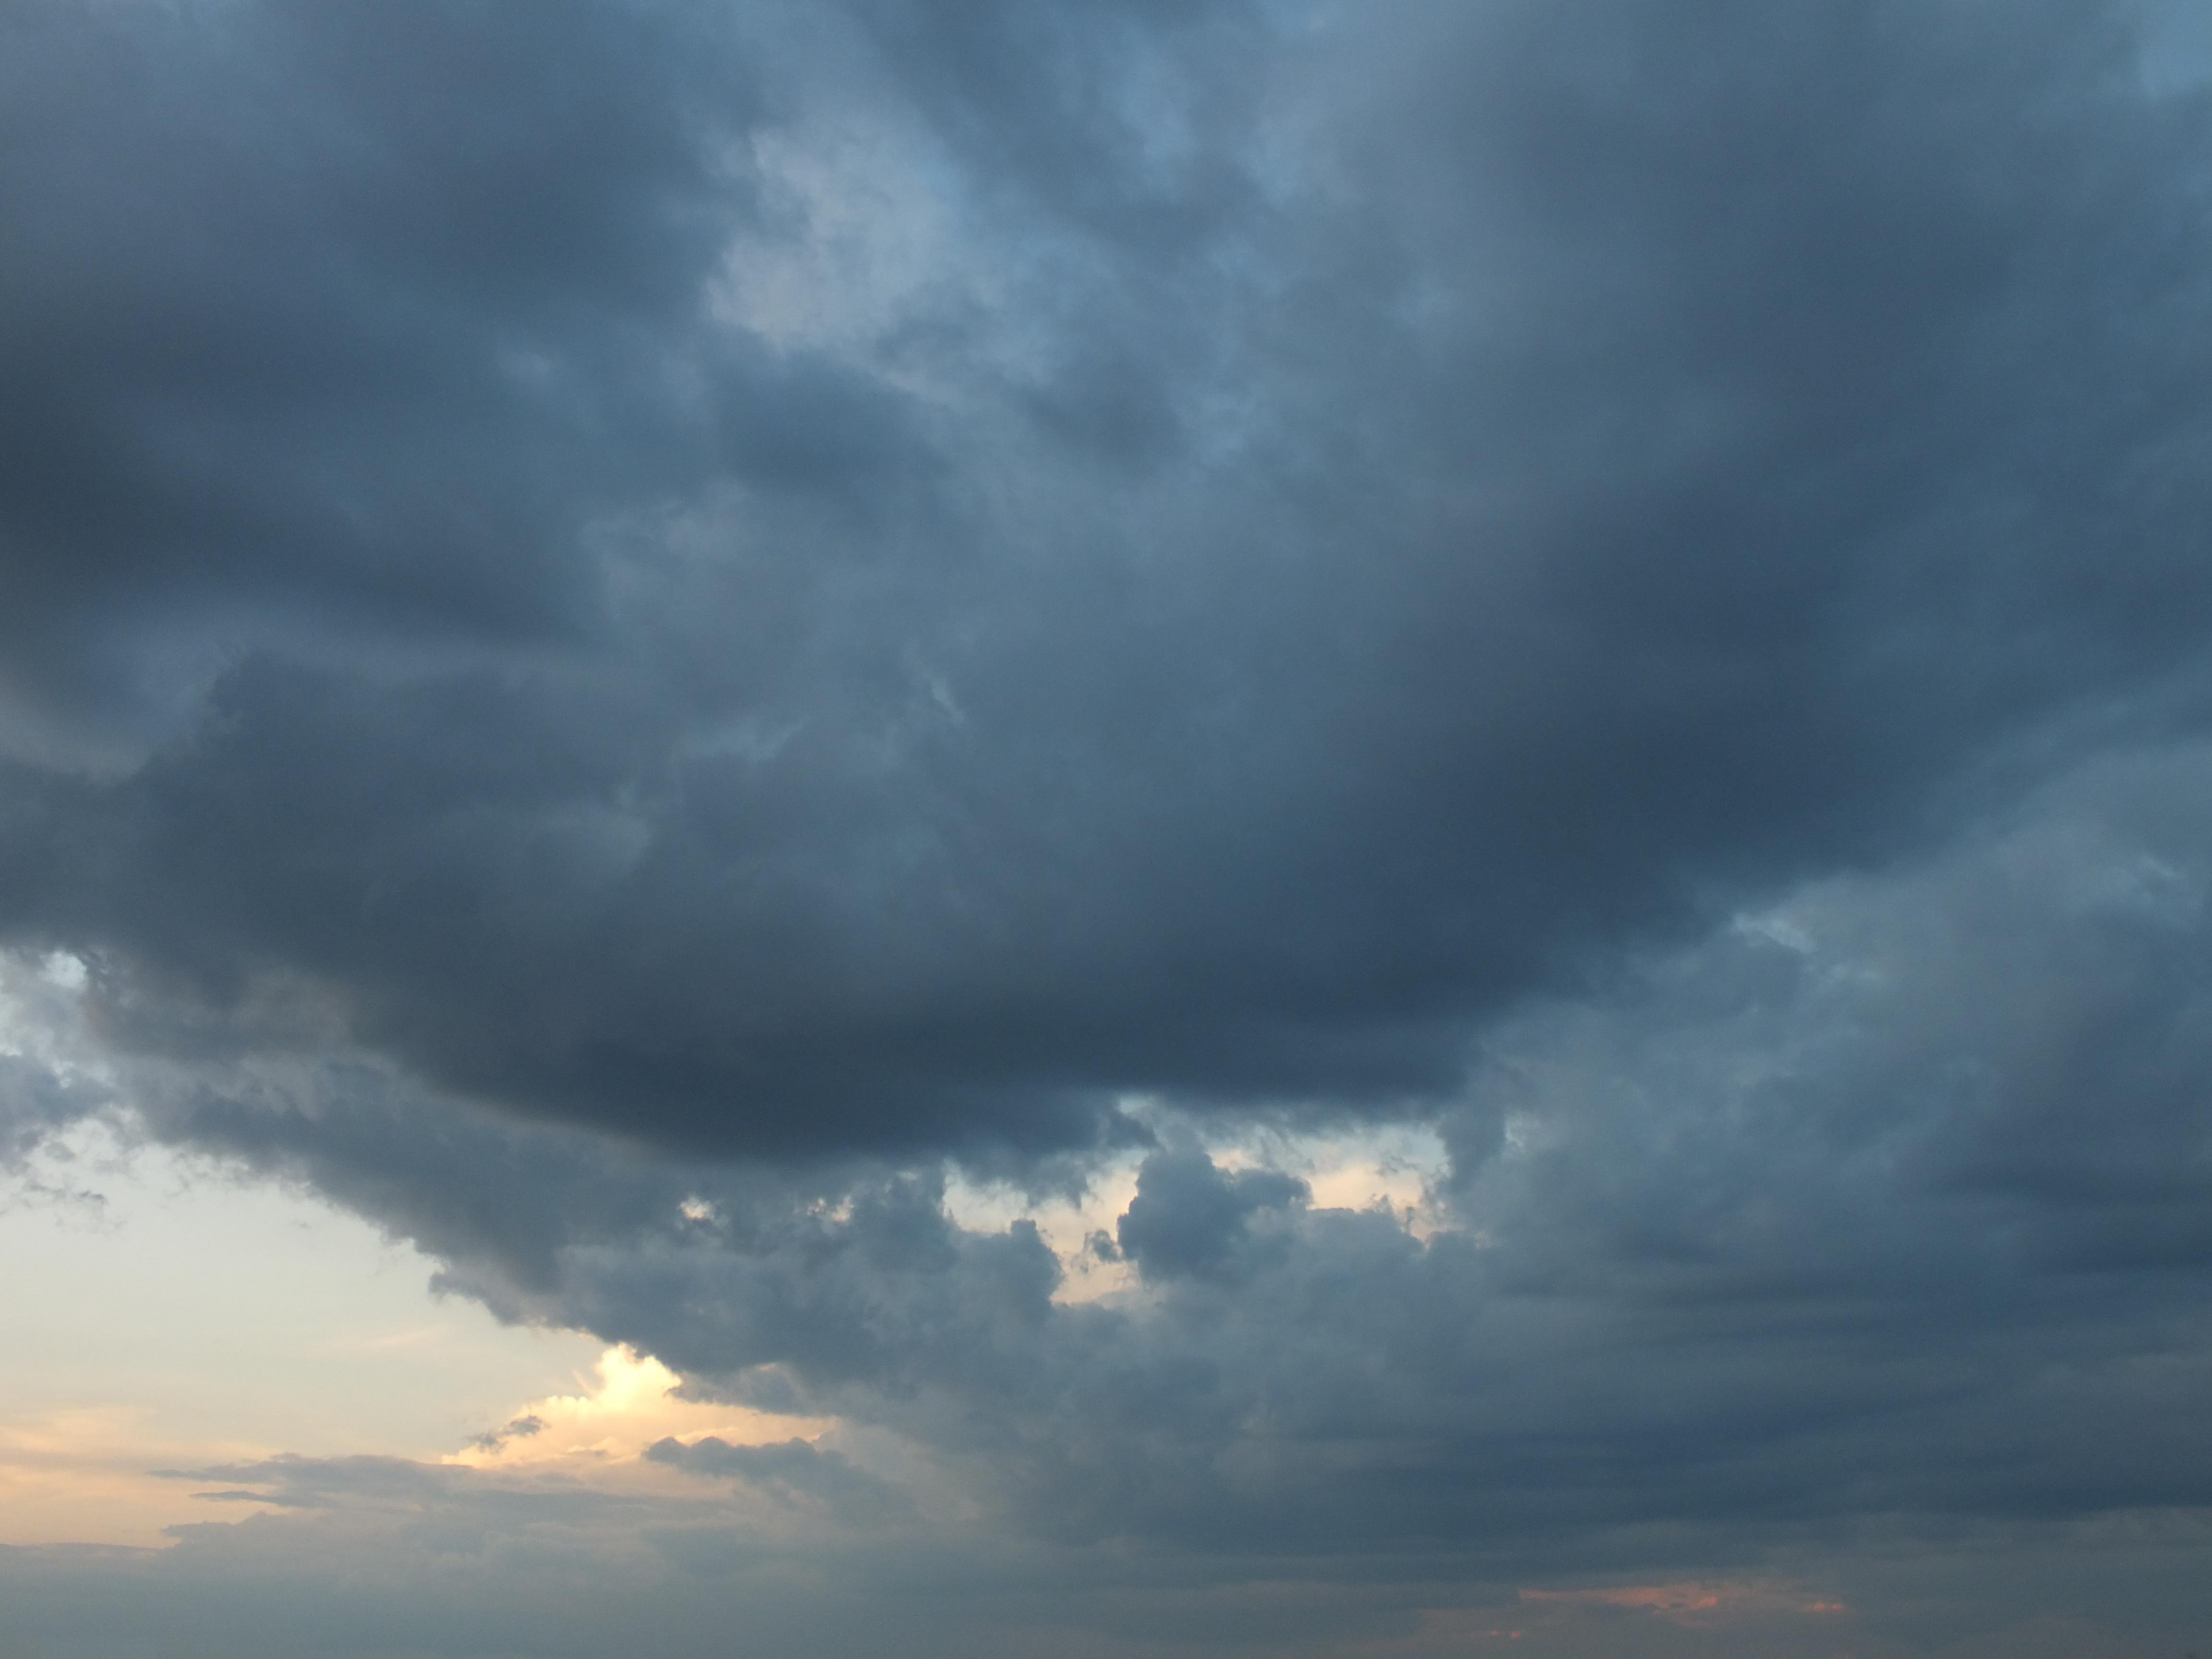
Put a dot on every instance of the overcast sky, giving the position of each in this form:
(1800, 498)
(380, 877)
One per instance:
(1111, 828)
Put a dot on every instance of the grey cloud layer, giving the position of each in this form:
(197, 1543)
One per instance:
(619, 604)
(1887, 1202)
(1339, 527)
(380, 1556)
(1893, 1202)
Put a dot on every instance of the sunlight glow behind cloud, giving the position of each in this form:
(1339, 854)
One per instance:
(167, 1313)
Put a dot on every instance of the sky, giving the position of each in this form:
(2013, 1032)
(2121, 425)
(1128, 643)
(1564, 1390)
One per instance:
(1243, 830)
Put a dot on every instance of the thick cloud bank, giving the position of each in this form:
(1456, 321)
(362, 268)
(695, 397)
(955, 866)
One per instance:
(646, 639)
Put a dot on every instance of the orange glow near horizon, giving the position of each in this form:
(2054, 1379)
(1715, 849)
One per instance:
(1685, 1603)
(631, 1403)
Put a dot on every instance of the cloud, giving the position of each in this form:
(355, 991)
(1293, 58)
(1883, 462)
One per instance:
(795, 1470)
(1189, 1216)
(518, 1428)
(1553, 525)
(650, 642)
(633, 1403)
(383, 1560)
(1875, 1202)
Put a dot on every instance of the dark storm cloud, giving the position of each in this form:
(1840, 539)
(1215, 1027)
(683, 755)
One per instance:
(629, 626)
(1342, 523)
(1889, 1201)
(346, 313)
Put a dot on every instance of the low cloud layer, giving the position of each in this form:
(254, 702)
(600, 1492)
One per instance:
(645, 639)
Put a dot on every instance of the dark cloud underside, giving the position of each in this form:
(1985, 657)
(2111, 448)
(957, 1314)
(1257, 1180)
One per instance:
(1641, 460)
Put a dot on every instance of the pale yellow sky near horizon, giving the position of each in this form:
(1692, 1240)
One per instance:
(168, 1312)
(187, 1316)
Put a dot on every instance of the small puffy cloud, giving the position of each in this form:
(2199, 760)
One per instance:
(518, 1428)
(1188, 1216)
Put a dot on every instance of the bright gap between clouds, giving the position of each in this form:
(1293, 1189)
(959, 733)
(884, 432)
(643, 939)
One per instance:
(164, 1314)
(1399, 1167)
